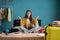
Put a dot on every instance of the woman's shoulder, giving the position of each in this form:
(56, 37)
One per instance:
(23, 18)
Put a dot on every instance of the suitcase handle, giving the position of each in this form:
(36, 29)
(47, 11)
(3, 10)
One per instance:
(45, 33)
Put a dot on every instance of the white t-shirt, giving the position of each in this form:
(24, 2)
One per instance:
(28, 22)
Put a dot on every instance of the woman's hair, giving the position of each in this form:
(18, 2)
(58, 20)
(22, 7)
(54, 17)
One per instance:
(30, 15)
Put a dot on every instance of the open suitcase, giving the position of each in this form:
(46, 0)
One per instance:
(52, 33)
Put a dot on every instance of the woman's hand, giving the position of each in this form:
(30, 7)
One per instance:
(19, 17)
(37, 17)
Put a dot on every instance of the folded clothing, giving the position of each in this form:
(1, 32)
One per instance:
(12, 30)
(41, 30)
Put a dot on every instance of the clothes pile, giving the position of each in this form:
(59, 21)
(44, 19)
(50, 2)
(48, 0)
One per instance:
(3, 14)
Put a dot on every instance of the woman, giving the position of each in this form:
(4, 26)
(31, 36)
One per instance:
(28, 24)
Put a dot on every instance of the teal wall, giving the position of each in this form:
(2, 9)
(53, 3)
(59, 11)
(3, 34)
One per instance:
(57, 16)
(46, 9)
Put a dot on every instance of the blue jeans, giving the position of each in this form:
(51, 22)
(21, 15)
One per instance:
(31, 30)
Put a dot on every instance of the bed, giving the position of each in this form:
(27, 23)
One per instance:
(22, 36)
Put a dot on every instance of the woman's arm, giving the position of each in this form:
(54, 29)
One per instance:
(35, 21)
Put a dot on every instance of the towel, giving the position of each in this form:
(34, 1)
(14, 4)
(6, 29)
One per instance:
(9, 14)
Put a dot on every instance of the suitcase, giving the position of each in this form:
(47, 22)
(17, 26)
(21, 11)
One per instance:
(52, 33)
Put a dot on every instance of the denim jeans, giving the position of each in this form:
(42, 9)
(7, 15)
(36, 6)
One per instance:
(31, 30)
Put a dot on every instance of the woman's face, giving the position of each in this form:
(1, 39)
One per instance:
(28, 14)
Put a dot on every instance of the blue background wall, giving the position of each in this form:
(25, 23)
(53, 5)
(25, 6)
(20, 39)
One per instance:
(48, 10)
